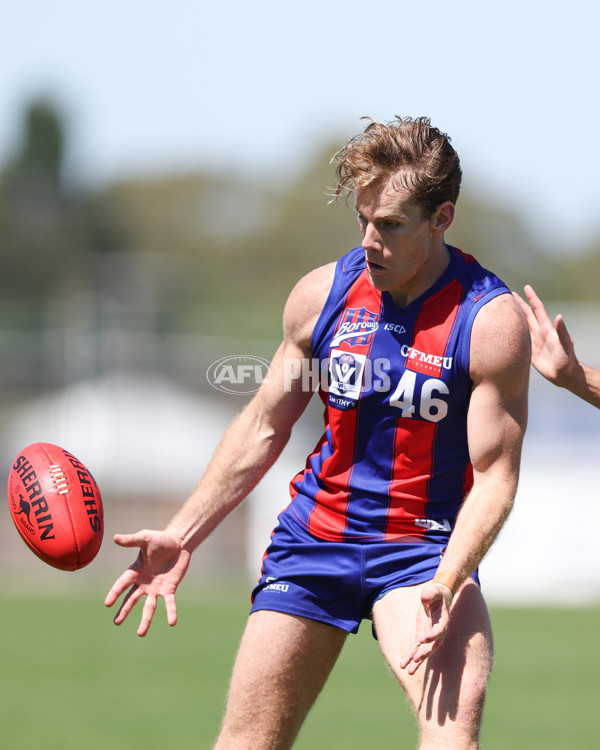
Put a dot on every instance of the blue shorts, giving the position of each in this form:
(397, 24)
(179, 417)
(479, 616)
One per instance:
(337, 582)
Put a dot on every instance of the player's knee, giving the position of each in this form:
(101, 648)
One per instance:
(455, 728)
(452, 708)
(471, 703)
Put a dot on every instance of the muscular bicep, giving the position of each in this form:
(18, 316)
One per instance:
(282, 398)
(286, 392)
(500, 357)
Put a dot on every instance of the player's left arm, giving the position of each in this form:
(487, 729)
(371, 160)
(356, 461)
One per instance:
(496, 423)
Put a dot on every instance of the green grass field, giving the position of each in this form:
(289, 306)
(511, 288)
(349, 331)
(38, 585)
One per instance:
(71, 680)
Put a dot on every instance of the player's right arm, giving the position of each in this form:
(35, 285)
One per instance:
(553, 354)
(248, 449)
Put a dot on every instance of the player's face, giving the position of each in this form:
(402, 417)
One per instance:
(404, 248)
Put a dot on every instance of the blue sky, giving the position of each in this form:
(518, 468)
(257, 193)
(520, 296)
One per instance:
(153, 86)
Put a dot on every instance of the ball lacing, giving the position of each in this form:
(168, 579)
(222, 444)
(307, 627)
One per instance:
(62, 486)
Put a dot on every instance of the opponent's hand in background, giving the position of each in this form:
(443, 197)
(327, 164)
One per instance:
(552, 351)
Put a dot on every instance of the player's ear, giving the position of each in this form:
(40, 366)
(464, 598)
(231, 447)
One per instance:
(442, 217)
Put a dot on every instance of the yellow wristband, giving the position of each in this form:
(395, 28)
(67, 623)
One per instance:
(448, 578)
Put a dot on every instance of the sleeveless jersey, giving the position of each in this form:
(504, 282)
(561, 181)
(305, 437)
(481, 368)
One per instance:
(393, 462)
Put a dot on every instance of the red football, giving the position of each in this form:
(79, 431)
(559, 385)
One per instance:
(56, 506)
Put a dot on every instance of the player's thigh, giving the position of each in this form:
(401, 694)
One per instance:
(282, 663)
(451, 684)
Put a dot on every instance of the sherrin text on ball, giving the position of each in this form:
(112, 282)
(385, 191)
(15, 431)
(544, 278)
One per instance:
(56, 506)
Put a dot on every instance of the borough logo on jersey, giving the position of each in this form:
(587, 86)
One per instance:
(357, 327)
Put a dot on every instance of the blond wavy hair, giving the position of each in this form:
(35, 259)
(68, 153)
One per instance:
(411, 152)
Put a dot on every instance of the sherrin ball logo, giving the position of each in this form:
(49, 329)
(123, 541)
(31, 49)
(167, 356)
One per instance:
(56, 506)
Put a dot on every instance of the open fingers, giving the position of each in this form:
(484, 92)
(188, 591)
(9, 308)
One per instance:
(532, 321)
(416, 655)
(563, 334)
(422, 648)
(131, 599)
(133, 596)
(171, 608)
(147, 615)
(409, 655)
(124, 582)
(423, 652)
(537, 306)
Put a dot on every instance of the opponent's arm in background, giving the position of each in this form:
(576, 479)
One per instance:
(553, 354)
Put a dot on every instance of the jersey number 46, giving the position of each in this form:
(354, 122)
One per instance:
(431, 407)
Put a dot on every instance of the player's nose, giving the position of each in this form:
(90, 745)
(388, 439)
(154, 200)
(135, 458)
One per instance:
(371, 238)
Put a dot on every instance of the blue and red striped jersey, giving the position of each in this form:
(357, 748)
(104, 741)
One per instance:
(393, 462)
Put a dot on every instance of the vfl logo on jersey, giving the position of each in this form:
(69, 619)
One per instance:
(356, 327)
(345, 378)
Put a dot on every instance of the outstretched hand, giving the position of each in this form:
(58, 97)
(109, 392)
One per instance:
(433, 617)
(552, 352)
(158, 570)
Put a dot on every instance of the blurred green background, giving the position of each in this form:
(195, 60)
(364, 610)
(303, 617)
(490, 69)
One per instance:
(72, 680)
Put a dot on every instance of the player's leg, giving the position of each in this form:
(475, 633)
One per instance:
(282, 664)
(447, 691)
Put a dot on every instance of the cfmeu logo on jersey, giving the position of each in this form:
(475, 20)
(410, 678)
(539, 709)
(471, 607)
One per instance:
(239, 374)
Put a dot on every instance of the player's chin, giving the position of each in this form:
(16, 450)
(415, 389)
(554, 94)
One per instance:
(378, 276)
